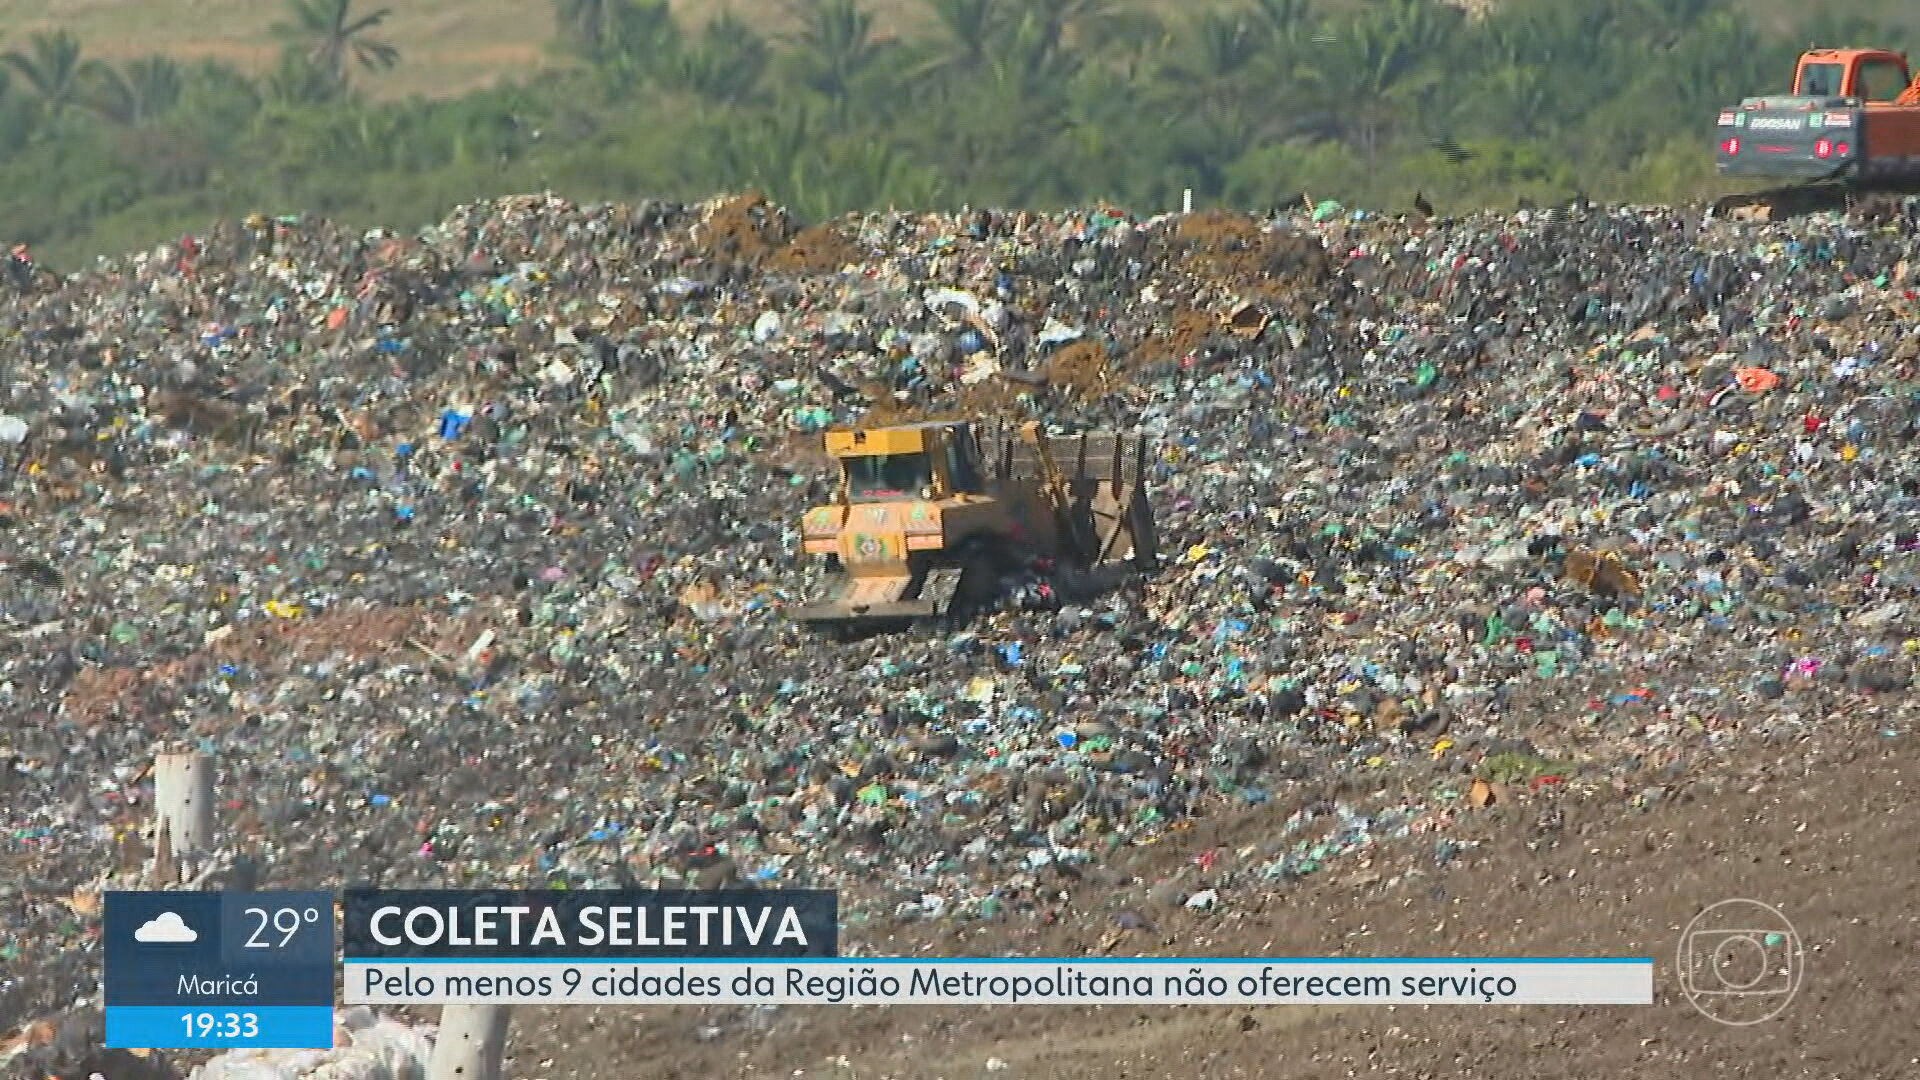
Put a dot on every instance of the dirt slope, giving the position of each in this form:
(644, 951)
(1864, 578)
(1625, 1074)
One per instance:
(1818, 828)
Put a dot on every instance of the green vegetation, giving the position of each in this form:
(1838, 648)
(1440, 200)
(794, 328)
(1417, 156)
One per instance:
(1510, 767)
(1014, 102)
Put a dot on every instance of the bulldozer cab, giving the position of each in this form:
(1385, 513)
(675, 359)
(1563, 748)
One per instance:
(916, 461)
(1872, 75)
(879, 477)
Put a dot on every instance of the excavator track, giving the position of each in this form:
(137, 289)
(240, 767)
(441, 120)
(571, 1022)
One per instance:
(1798, 200)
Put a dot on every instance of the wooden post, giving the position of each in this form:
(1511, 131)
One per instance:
(472, 1043)
(183, 812)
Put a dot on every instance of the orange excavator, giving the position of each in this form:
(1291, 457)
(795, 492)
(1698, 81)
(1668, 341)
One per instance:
(1850, 126)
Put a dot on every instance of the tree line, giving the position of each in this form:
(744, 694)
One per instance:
(1034, 103)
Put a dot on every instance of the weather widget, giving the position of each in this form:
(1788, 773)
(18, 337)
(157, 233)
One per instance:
(219, 970)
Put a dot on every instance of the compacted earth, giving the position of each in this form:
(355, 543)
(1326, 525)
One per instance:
(1819, 830)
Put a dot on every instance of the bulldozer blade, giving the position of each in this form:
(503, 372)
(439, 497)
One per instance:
(942, 584)
(883, 598)
(1096, 484)
(841, 613)
(1146, 536)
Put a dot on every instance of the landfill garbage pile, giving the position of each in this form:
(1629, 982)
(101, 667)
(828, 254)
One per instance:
(465, 552)
(70, 1046)
(366, 1047)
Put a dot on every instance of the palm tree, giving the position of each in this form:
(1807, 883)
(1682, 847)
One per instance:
(868, 172)
(640, 44)
(1033, 64)
(1214, 87)
(298, 82)
(1106, 115)
(1284, 21)
(726, 64)
(1571, 37)
(587, 25)
(1662, 22)
(831, 175)
(761, 152)
(993, 123)
(1292, 33)
(380, 138)
(1090, 24)
(145, 89)
(333, 37)
(1524, 94)
(836, 48)
(1206, 69)
(52, 66)
(968, 32)
(602, 30)
(1361, 78)
(1722, 60)
(220, 101)
(1205, 145)
(1426, 27)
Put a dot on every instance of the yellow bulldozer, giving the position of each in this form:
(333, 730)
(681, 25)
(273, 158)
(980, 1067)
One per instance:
(929, 518)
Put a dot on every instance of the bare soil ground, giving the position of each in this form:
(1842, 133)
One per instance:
(447, 47)
(1818, 828)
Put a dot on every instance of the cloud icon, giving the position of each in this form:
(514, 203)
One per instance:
(166, 928)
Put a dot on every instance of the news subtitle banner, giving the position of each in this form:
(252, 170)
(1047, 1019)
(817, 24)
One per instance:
(1105, 981)
(474, 926)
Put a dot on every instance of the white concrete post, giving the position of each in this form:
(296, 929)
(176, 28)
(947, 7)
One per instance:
(182, 810)
(1186, 201)
(472, 1043)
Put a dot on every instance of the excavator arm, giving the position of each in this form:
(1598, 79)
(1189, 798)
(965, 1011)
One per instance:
(1911, 95)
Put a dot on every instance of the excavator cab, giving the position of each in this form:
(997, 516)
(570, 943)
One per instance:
(1820, 80)
(1872, 75)
(1881, 79)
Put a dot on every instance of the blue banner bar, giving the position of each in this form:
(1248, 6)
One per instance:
(184, 1027)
